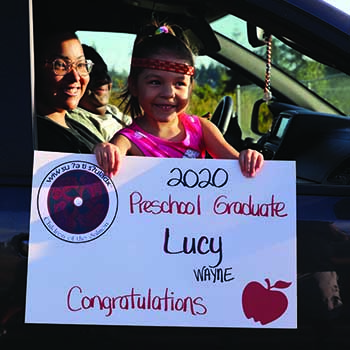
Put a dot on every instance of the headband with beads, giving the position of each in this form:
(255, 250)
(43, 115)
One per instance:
(170, 66)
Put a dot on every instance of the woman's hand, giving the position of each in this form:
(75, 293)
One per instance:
(108, 157)
(251, 162)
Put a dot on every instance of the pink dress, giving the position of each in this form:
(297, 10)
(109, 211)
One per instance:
(192, 146)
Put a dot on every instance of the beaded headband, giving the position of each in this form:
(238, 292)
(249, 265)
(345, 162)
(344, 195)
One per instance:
(169, 66)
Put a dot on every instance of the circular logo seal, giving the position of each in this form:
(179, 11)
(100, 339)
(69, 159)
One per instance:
(77, 202)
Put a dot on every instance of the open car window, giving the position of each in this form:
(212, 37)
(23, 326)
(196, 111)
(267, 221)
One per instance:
(327, 82)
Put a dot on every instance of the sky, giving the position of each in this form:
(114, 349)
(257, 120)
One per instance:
(344, 5)
(116, 48)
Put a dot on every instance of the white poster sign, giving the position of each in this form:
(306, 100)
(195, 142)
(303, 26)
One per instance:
(165, 242)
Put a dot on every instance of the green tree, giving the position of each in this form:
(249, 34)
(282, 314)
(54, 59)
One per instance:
(210, 86)
(297, 65)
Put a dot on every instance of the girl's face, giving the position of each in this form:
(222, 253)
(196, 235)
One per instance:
(162, 95)
(63, 92)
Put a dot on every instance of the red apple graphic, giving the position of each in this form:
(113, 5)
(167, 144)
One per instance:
(262, 303)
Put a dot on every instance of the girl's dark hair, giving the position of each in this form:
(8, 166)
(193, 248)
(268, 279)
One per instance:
(149, 43)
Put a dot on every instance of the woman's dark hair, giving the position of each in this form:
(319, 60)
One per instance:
(149, 42)
(45, 41)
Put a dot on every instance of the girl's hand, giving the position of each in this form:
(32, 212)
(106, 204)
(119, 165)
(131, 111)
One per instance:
(251, 162)
(108, 157)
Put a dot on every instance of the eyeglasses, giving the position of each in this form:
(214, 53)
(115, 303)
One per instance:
(62, 67)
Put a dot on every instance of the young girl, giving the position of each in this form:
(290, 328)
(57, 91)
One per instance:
(159, 89)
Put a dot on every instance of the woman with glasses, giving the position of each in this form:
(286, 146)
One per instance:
(61, 78)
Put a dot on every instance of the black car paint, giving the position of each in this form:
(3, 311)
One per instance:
(316, 205)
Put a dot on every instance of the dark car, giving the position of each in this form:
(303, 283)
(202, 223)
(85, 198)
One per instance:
(288, 64)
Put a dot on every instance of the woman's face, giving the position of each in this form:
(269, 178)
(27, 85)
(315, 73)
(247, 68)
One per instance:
(58, 93)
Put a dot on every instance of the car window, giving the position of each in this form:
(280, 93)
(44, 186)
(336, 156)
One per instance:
(211, 77)
(329, 83)
(116, 50)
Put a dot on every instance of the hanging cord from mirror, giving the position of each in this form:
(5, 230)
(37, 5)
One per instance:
(267, 89)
